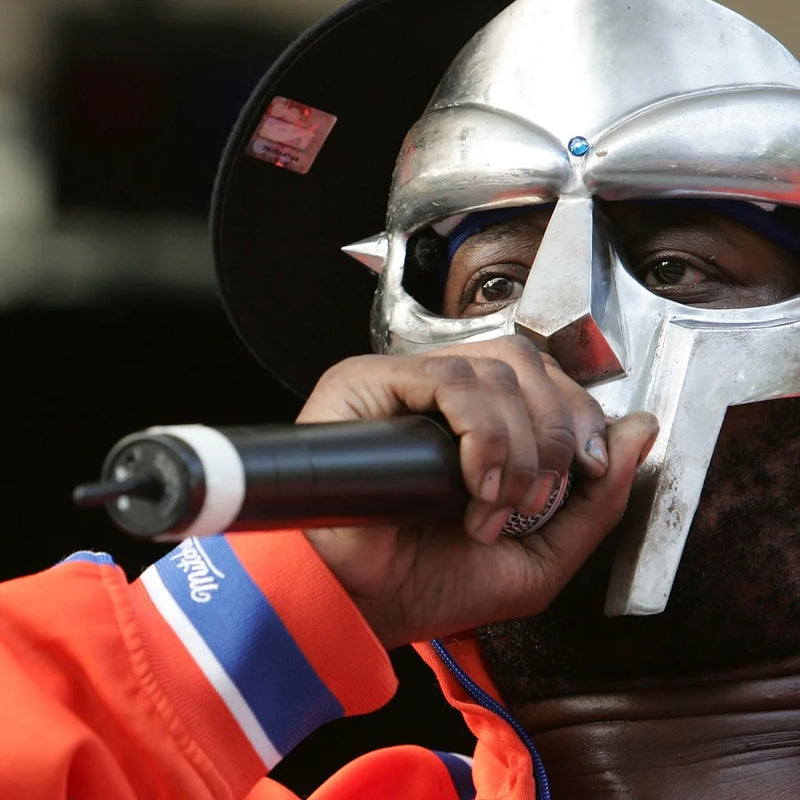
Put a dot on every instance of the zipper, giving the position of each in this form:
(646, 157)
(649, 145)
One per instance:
(489, 703)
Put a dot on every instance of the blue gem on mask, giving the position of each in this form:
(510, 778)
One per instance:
(578, 146)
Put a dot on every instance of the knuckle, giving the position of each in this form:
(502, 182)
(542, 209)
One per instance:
(522, 346)
(451, 369)
(559, 438)
(594, 407)
(488, 440)
(499, 372)
(550, 362)
(494, 434)
(520, 477)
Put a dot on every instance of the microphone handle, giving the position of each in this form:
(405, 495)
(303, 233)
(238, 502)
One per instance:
(170, 483)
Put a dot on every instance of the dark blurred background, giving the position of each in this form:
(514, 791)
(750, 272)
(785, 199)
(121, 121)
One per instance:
(112, 118)
(109, 143)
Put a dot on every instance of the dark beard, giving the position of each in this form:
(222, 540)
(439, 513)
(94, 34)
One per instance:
(736, 598)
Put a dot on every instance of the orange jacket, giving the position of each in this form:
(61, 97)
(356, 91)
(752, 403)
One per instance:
(195, 679)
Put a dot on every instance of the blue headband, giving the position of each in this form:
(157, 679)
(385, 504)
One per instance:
(757, 218)
(764, 221)
(479, 221)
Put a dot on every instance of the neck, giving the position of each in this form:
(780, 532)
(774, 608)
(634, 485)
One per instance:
(730, 737)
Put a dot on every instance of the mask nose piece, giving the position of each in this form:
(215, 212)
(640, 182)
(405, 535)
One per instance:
(569, 306)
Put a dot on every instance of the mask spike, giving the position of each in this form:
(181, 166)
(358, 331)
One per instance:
(370, 252)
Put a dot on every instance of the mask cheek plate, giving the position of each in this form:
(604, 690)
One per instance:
(703, 363)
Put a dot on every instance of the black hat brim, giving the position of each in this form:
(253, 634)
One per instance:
(296, 300)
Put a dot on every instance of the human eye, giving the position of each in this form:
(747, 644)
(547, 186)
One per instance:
(492, 288)
(682, 277)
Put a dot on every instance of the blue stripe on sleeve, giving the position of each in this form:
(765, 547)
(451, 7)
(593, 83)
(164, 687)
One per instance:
(460, 770)
(248, 639)
(88, 557)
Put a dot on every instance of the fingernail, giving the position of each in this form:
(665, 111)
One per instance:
(486, 529)
(490, 485)
(596, 449)
(535, 501)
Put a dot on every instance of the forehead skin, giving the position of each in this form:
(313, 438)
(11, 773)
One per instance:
(739, 267)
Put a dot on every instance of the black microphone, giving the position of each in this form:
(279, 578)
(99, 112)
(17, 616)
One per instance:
(170, 483)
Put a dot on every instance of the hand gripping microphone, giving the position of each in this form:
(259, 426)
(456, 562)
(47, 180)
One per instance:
(170, 483)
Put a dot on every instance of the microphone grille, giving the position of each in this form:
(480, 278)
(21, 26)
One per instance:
(519, 525)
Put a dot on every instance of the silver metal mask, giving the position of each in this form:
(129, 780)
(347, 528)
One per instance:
(567, 101)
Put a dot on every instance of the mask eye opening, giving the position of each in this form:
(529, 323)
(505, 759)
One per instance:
(425, 269)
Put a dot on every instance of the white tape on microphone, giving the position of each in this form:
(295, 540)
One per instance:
(224, 477)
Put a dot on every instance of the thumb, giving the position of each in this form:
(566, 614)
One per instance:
(594, 507)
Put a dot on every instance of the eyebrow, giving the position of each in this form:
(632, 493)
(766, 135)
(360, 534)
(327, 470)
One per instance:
(497, 233)
(770, 225)
(711, 231)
